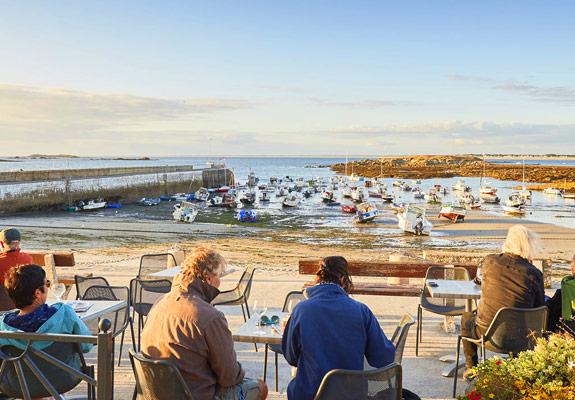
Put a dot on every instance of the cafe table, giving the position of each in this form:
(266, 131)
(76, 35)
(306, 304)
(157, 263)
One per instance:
(454, 289)
(96, 309)
(250, 332)
(170, 273)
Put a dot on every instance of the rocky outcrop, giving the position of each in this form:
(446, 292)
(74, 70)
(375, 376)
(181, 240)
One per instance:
(427, 167)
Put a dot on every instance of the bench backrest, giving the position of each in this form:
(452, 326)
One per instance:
(58, 259)
(382, 269)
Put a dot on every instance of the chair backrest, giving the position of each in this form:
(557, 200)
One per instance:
(444, 272)
(150, 263)
(568, 298)
(381, 384)
(400, 336)
(294, 298)
(144, 293)
(514, 329)
(245, 283)
(121, 318)
(84, 282)
(158, 379)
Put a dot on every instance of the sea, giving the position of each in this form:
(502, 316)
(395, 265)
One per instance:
(312, 213)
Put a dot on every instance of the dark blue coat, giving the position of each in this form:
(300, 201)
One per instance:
(331, 330)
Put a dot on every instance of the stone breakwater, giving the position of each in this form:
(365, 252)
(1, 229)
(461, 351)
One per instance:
(428, 167)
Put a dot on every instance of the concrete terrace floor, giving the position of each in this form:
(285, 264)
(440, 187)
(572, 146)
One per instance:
(421, 375)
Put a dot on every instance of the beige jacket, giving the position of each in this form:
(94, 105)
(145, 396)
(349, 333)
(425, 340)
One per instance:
(186, 329)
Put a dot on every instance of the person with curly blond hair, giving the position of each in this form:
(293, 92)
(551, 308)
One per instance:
(186, 329)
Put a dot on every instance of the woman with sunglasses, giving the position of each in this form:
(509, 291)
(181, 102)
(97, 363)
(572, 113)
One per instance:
(330, 330)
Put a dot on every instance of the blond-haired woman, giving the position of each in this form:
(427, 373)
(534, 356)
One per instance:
(186, 329)
(509, 279)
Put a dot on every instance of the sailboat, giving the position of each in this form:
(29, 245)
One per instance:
(526, 194)
(486, 189)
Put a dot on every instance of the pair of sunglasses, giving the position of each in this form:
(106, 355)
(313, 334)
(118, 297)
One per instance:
(273, 320)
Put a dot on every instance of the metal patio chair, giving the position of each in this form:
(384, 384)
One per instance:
(150, 263)
(445, 307)
(512, 330)
(400, 336)
(121, 319)
(84, 282)
(158, 379)
(239, 295)
(381, 384)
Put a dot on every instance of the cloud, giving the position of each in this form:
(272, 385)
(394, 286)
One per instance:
(32, 109)
(553, 94)
(365, 104)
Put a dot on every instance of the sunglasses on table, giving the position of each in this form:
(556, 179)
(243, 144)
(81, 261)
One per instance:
(273, 320)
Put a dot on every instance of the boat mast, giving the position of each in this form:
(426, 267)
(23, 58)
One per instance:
(523, 179)
(346, 164)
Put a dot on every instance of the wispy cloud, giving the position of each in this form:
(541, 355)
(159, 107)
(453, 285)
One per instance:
(358, 104)
(550, 94)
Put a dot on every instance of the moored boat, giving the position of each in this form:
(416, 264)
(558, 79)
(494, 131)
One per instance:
(91, 205)
(291, 201)
(147, 201)
(452, 211)
(246, 216)
(366, 212)
(412, 220)
(519, 210)
(185, 212)
(348, 209)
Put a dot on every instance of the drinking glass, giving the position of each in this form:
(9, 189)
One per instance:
(58, 289)
(259, 309)
(290, 306)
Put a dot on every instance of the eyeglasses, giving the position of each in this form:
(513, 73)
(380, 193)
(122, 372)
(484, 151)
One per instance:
(48, 283)
(273, 320)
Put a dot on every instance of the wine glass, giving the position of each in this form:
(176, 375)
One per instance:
(290, 306)
(259, 309)
(58, 289)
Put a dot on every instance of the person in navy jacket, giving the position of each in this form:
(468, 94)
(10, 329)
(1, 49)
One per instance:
(330, 330)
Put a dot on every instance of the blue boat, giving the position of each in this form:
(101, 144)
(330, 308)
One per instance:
(113, 205)
(247, 216)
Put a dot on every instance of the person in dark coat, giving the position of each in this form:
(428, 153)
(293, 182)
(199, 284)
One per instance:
(330, 330)
(508, 279)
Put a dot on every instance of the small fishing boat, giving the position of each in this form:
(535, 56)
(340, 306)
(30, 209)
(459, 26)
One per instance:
(291, 201)
(346, 191)
(417, 193)
(489, 198)
(412, 220)
(248, 198)
(515, 200)
(460, 186)
(166, 197)
(552, 191)
(398, 183)
(180, 196)
(327, 196)
(246, 216)
(228, 200)
(114, 205)
(452, 211)
(570, 196)
(348, 209)
(469, 201)
(519, 210)
(358, 195)
(526, 194)
(366, 212)
(203, 194)
(223, 189)
(307, 192)
(185, 212)
(147, 201)
(281, 192)
(91, 205)
(264, 198)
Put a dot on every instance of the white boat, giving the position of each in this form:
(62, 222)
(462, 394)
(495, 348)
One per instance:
(452, 211)
(149, 201)
(358, 195)
(569, 196)
(417, 193)
(281, 191)
(412, 220)
(526, 194)
(520, 210)
(248, 198)
(91, 205)
(387, 197)
(469, 201)
(515, 200)
(366, 212)
(460, 186)
(432, 197)
(552, 191)
(180, 196)
(489, 198)
(227, 200)
(264, 197)
(202, 194)
(327, 196)
(486, 189)
(378, 191)
(398, 183)
(185, 212)
(346, 191)
(291, 200)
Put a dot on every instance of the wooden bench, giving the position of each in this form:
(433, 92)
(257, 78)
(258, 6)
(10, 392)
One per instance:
(58, 265)
(383, 270)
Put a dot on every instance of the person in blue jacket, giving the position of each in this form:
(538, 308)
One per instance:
(28, 288)
(330, 330)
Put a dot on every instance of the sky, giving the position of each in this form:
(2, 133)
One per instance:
(310, 77)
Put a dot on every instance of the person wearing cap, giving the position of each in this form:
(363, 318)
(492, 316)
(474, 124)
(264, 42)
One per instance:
(11, 256)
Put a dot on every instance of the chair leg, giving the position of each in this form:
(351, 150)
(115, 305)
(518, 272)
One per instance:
(456, 366)
(133, 335)
(243, 312)
(265, 362)
(121, 347)
(248, 312)
(483, 350)
(276, 360)
(418, 331)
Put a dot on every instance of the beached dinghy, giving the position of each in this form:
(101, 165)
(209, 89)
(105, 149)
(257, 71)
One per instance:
(147, 201)
(489, 198)
(552, 191)
(348, 209)
(417, 194)
(327, 196)
(346, 191)
(92, 205)
(185, 212)
(264, 198)
(461, 187)
(246, 216)
(515, 200)
(291, 201)
(248, 198)
(358, 195)
(452, 211)
(412, 220)
(520, 210)
(366, 212)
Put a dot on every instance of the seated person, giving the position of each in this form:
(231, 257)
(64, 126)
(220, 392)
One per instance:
(330, 330)
(186, 329)
(10, 257)
(27, 287)
(508, 279)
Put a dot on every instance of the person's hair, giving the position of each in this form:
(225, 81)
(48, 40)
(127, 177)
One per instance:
(522, 242)
(202, 262)
(21, 283)
(334, 270)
